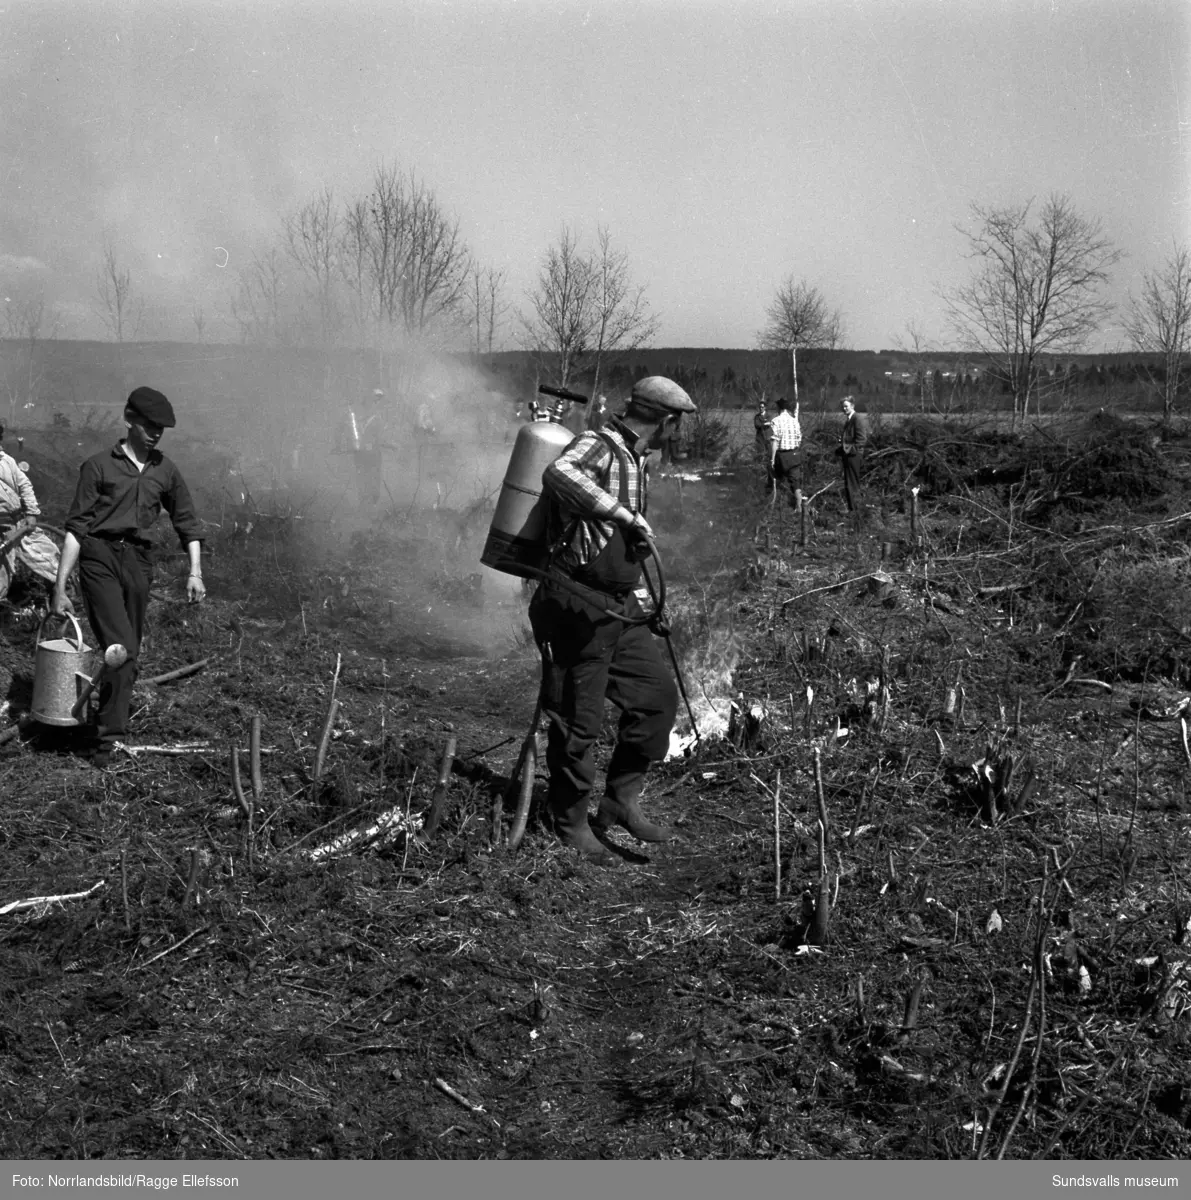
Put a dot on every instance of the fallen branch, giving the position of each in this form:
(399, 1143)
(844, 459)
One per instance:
(816, 934)
(325, 825)
(389, 823)
(170, 949)
(124, 888)
(777, 840)
(191, 878)
(242, 800)
(324, 740)
(254, 756)
(458, 1097)
(40, 901)
(829, 587)
(178, 749)
(997, 589)
(1186, 746)
(180, 673)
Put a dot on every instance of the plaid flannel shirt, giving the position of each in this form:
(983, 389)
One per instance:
(585, 482)
(787, 432)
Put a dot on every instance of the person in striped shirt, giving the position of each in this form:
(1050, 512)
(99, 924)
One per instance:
(587, 618)
(787, 448)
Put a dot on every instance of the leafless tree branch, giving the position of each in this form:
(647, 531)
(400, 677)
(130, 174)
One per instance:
(1035, 289)
(1159, 323)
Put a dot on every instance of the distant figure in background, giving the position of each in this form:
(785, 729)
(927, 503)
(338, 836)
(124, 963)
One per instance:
(18, 512)
(425, 425)
(119, 497)
(368, 449)
(787, 448)
(852, 440)
(667, 440)
(599, 413)
(763, 440)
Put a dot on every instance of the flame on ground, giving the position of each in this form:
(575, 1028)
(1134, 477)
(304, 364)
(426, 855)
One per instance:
(707, 673)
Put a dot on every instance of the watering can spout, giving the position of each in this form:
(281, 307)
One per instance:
(113, 657)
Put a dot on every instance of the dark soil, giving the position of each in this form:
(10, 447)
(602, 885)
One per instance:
(993, 711)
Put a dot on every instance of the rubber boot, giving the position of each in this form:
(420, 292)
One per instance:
(573, 830)
(621, 806)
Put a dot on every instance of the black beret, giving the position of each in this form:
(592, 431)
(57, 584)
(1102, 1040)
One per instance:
(149, 403)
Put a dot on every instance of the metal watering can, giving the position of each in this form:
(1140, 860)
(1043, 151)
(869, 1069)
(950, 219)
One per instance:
(60, 676)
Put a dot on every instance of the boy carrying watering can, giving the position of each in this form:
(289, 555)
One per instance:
(119, 496)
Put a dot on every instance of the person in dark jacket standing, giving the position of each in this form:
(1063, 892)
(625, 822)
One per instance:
(119, 496)
(763, 441)
(852, 440)
(597, 488)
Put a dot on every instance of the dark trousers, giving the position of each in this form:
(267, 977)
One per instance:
(369, 477)
(765, 458)
(852, 464)
(787, 471)
(115, 578)
(591, 657)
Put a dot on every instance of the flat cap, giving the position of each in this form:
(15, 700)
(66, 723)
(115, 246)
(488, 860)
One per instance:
(149, 403)
(659, 394)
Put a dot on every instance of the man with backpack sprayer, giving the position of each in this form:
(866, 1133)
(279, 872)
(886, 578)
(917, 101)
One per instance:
(584, 616)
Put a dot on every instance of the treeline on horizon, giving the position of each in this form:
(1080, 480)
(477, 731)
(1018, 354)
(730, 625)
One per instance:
(94, 373)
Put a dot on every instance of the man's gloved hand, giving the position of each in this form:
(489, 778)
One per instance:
(637, 534)
(659, 626)
(635, 523)
(636, 546)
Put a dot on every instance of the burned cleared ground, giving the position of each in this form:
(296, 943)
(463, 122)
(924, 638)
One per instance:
(992, 699)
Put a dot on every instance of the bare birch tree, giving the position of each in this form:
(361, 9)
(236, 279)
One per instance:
(118, 307)
(621, 319)
(1159, 323)
(557, 327)
(585, 309)
(1035, 290)
(260, 307)
(488, 304)
(800, 318)
(29, 320)
(313, 241)
(354, 258)
(915, 343)
(417, 261)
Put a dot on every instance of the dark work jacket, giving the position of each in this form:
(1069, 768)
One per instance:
(114, 499)
(854, 436)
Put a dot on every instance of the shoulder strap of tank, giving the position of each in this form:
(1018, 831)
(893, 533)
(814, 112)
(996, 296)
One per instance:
(623, 461)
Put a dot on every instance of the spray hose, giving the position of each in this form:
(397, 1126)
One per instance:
(656, 620)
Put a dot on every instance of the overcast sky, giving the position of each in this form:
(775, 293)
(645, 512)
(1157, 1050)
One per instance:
(725, 145)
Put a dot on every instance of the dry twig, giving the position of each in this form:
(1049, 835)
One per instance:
(254, 756)
(180, 673)
(40, 901)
